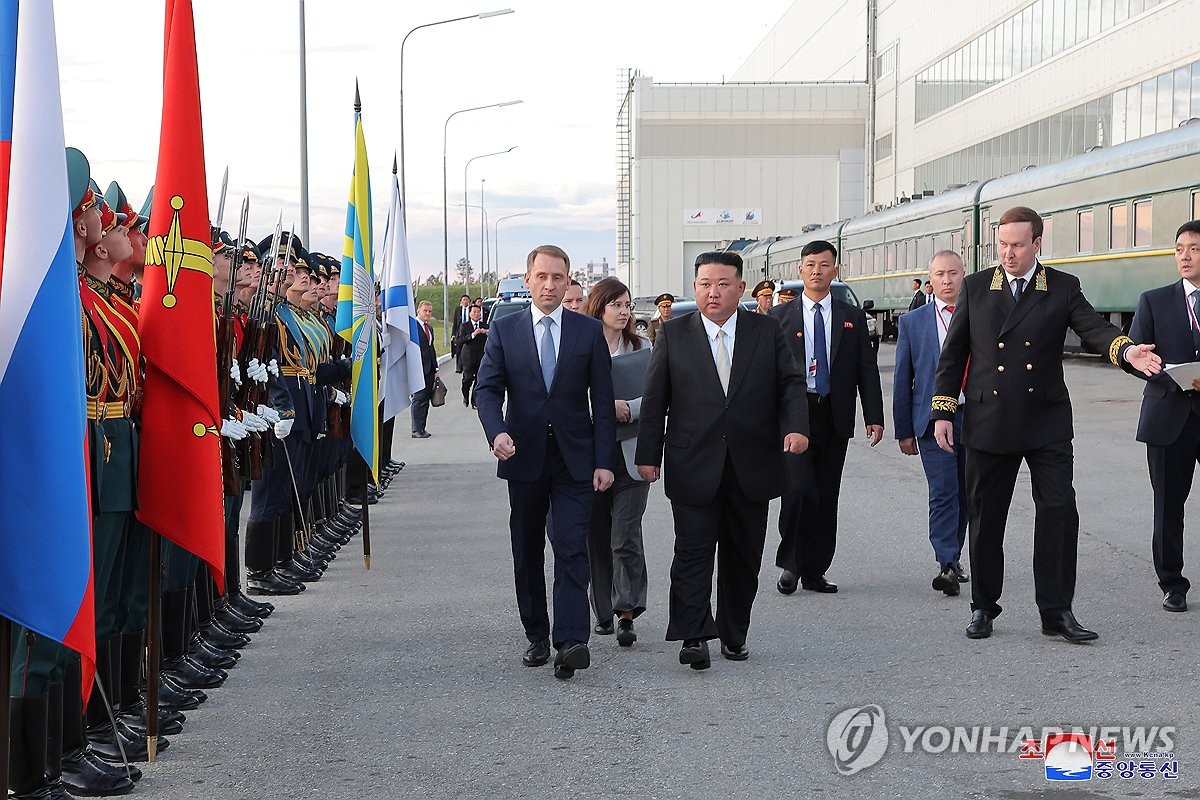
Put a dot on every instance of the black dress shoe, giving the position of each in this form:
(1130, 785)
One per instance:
(103, 741)
(167, 726)
(1175, 601)
(223, 638)
(819, 585)
(625, 633)
(204, 655)
(961, 573)
(537, 654)
(93, 777)
(248, 607)
(192, 675)
(466, 402)
(980, 626)
(421, 435)
(604, 628)
(268, 583)
(787, 582)
(946, 581)
(237, 622)
(174, 697)
(1064, 624)
(570, 657)
(735, 652)
(694, 653)
(296, 573)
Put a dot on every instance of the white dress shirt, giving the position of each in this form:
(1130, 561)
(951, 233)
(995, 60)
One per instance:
(555, 329)
(1028, 276)
(826, 304)
(943, 322)
(710, 330)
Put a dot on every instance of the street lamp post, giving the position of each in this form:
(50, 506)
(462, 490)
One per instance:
(482, 232)
(466, 221)
(446, 211)
(403, 168)
(496, 238)
(483, 217)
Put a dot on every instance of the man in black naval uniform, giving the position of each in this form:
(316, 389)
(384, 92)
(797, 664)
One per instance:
(1007, 337)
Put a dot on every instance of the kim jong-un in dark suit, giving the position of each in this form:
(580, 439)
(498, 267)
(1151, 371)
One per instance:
(725, 400)
(1010, 325)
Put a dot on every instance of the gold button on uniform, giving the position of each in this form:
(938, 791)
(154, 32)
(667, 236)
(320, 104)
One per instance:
(996, 392)
(1027, 344)
(1000, 368)
(1029, 367)
(1031, 390)
(1001, 345)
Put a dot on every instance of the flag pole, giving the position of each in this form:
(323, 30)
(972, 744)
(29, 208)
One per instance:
(366, 509)
(153, 628)
(5, 687)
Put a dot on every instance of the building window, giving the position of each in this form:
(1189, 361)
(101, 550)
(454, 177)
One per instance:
(1143, 221)
(1118, 227)
(1085, 231)
(883, 147)
(1195, 205)
(1047, 250)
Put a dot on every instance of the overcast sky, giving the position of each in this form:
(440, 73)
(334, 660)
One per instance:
(560, 57)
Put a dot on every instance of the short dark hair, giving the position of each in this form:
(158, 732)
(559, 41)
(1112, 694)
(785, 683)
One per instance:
(1188, 227)
(819, 246)
(576, 283)
(719, 257)
(916, 282)
(1024, 214)
(466, 296)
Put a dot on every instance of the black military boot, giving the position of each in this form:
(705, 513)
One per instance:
(174, 697)
(27, 748)
(73, 772)
(84, 772)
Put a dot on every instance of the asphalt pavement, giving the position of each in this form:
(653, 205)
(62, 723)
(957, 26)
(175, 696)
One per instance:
(406, 681)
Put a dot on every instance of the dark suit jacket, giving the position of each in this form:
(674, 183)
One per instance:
(471, 346)
(853, 367)
(919, 299)
(585, 430)
(1017, 398)
(684, 408)
(917, 353)
(428, 353)
(1162, 320)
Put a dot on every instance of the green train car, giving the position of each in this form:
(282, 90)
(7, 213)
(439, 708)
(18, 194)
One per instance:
(1110, 218)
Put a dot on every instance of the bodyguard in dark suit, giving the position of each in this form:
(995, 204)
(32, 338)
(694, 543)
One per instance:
(918, 347)
(734, 397)
(555, 449)
(919, 299)
(460, 318)
(829, 341)
(1170, 421)
(1010, 325)
(471, 338)
(420, 399)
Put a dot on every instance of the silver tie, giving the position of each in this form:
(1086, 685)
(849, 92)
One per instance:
(723, 360)
(546, 352)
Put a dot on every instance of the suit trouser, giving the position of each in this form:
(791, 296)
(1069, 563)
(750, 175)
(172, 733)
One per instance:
(470, 370)
(945, 475)
(420, 405)
(732, 528)
(569, 503)
(809, 508)
(1171, 471)
(615, 552)
(991, 478)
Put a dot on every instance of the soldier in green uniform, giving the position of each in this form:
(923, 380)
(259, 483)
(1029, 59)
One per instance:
(664, 302)
(764, 294)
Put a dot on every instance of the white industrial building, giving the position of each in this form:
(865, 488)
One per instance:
(946, 92)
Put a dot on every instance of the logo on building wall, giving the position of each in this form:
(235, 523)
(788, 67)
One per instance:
(722, 216)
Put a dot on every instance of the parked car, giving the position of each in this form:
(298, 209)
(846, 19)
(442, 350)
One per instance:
(502, 308)
(644, 310)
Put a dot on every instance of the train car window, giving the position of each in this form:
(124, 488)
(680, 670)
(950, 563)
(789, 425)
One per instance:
(1143, 222)
(1047, 250)
(1085, 231)
(1118, 227)
(890, 265)
(956, 244)
(1195, 205)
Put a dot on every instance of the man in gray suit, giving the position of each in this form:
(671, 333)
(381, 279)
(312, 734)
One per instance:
(736, 403)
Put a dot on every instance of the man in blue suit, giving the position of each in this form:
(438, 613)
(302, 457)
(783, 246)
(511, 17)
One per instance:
(1170, 420)
(918, 348)
(554, 444)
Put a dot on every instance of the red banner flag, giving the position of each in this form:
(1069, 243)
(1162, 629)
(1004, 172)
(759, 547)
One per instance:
(179, 470)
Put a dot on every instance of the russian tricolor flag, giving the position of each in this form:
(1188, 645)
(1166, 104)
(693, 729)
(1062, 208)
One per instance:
(45, 533)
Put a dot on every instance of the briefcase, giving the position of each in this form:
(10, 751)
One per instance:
(438, 395)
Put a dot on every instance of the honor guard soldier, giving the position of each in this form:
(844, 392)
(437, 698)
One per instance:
(664, 302)
(787, 295)
(763, 294)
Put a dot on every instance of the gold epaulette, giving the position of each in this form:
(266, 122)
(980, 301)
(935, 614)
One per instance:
(947, 404)
(1114, 349)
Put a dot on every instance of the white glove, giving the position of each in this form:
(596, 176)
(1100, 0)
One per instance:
(284, 427)
(256, 370)
(254, 423)
(268, 413)
(274, 367)
(235, 372)
(340, 397)
(232, 429)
